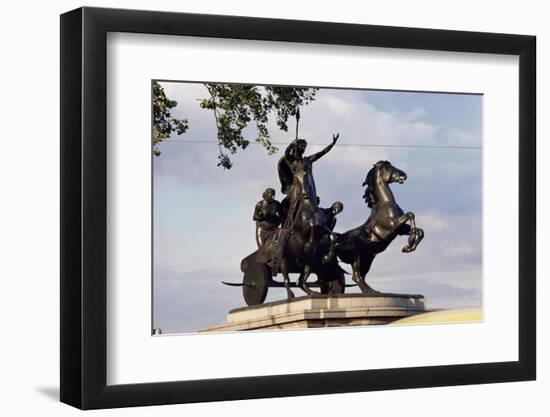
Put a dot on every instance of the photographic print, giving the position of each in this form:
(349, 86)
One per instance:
(291, 207)
(332, 187)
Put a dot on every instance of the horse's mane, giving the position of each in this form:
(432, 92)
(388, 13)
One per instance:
(368, 196)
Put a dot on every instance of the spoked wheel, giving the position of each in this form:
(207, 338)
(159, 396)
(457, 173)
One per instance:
(255, 281)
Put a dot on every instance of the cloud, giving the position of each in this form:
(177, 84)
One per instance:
(461, 250)
(457, 137)
(414, 114)
(339, 106)
(433, 220)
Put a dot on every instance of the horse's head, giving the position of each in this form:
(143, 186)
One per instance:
(387, 174)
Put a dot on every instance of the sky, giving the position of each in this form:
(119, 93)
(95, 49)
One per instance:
(203, 224)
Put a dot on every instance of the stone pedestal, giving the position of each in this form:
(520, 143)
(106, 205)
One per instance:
(323, 311)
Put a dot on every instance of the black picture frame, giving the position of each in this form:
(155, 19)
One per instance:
(84, 207)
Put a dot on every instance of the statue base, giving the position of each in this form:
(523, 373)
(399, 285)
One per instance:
(314, 311)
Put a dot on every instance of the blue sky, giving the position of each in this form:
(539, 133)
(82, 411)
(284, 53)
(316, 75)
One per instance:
(203, 214)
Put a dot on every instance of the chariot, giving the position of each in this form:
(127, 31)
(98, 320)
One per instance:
(301, 238)
(258, 278)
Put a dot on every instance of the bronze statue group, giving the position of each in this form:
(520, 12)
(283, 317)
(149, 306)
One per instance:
(296, 235)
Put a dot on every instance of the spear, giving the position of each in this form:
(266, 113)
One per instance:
(297, 120)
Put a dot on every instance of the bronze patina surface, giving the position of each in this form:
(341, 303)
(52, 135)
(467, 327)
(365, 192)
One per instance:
(297, 236)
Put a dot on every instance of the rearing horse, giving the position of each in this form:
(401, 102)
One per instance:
(359, 246)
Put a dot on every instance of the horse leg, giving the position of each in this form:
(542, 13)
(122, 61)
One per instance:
(364, 265)
(331, 252)
(303, 283)
(407, 230)
(404, 230)
(356, 275)
(415, 235)
(300, 281)
(309, 245)
(419, 235)
(286, 279)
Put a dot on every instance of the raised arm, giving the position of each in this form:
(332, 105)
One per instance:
(318, 155)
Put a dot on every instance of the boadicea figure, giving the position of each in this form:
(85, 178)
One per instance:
(303, 239)
(297, 236)
(297, 182)
(267, 217)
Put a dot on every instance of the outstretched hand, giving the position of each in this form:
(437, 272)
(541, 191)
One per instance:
(335, 138)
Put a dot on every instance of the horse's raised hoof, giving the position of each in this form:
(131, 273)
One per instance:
(407, 249)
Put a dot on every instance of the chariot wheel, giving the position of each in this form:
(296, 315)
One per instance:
(255, 281)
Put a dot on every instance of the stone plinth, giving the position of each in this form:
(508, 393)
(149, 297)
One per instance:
(323, 311)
